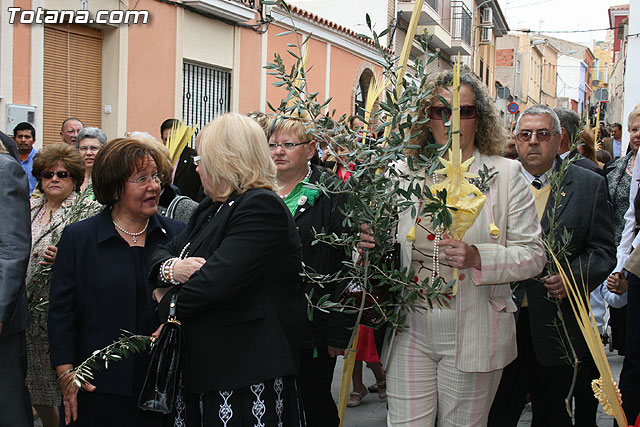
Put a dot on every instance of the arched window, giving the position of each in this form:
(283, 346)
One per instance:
(362, 89)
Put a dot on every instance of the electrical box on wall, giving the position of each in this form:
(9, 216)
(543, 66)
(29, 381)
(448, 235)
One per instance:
(19, 113)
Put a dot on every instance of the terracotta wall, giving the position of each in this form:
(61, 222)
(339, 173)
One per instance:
(345, 69)
(345, 74)
(151, 69)
(22, 58)
(250, 70)
(278, 44)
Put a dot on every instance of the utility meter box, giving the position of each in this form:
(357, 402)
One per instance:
(17, 113)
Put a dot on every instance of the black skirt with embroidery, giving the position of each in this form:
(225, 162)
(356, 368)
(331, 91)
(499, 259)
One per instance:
(273, 403)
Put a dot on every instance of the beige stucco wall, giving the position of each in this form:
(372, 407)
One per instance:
(207, 41)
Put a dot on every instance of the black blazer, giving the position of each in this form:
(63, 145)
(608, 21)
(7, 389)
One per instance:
(325, 215)
(186, 178)
(241, 312)
(93, 294)
(585, 163)
(585, 213)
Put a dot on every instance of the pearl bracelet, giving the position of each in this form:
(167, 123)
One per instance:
(167, 271)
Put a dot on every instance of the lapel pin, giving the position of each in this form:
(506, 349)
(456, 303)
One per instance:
(302, 200)
(563, 194)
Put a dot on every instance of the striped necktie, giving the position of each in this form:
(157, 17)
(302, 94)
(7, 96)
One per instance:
(537, 184)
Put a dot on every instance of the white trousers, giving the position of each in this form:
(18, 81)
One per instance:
(423, 382)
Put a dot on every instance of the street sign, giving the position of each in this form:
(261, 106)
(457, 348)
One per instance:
(602, 95)
(502, 92)
(513, 108)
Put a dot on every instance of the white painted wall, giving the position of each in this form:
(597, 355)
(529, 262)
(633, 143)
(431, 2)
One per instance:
(349, 13)
(568, 83)
(631, 83)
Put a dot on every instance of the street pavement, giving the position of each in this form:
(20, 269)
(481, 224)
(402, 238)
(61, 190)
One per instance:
(373, 412)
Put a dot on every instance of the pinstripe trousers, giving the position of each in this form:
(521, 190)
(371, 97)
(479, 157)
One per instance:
(423, 383)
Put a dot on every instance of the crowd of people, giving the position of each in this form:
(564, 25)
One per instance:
(102, 236)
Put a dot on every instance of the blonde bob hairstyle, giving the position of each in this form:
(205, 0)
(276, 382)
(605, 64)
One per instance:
(632, 116)
(300, 127)
(234, 155)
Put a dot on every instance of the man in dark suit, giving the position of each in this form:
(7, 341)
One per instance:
(613, 144)
(541, 367)
(570, 122)
(185, 176)
(15, 245)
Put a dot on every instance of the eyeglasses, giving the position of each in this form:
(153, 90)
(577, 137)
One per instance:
(145, 180)
(59, 174)
(88, 148)
(287, 145)
(466, 112)
(541, 135)
(196, 160)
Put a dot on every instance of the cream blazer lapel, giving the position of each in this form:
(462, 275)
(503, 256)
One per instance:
(485, 330)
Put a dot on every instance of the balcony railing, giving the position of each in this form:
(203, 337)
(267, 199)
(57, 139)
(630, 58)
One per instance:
(461, 22)
(435, 5)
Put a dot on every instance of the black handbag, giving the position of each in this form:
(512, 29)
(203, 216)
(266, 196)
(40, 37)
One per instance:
(160, 387)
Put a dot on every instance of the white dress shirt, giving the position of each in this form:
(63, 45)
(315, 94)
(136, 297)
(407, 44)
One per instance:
(627, 241)
(617, 148)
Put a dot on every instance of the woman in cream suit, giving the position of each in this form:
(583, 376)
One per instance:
(449, 362)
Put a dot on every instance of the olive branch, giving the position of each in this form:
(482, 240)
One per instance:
(374, 193)
(125, 346)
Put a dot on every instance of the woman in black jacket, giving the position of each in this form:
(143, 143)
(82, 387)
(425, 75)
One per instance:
(236, 270)
(292, 147)
(99, 285)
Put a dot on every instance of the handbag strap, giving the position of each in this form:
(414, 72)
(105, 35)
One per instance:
(172, 308)
(171, 209)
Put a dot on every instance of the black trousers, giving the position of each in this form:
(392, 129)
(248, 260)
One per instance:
(15, 403)
(630, 374)
(316, 374)
(618, 323)
(548, 387)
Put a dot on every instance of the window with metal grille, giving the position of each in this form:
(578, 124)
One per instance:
(206, 94)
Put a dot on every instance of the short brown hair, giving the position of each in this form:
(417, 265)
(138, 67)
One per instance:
(115, 163)
(165, 167)
(52, 154)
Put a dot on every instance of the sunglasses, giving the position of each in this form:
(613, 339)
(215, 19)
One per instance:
(466, 112)
(541, 135)
(59, 174)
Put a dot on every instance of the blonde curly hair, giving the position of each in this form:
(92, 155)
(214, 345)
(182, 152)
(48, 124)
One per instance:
(491, 136)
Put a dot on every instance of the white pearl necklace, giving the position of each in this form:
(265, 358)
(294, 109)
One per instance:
(128, 233)
(435, 272)
(284, 196)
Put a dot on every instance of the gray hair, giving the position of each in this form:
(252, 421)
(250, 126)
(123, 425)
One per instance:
(538, 110)
(141, 136)
(570, 120)
(90, 132)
